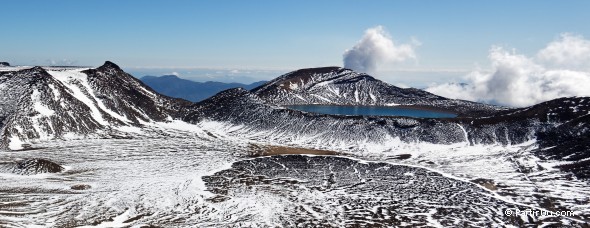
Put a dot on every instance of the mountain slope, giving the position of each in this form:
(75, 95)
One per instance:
(30, 100)
(243, 108)
(248, 114)
(174, 86)
(53, 103)
(341, 86)
(40, 104)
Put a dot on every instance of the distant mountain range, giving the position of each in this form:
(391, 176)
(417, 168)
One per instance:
(173, 86)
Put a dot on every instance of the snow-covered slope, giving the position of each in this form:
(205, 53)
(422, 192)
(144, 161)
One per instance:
(341, 86)
(44, 104)
(38, 104)
(201, 175)
(239, 107)
(569, 140)
(244, 113)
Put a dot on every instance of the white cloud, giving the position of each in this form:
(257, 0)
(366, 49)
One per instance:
(376, 48)
(559, 70)
(569, 51)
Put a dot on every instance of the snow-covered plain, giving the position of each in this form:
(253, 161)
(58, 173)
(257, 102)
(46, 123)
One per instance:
(166, 172)
(156, 179)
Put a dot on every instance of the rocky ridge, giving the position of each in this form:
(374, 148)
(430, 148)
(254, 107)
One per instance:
(40, 104)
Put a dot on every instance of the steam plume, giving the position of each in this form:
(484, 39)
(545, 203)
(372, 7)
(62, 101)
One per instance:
(376, 48)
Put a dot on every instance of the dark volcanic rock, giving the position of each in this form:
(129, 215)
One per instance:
(80, 187)
(341, 192)
(36, 166)
(4, 64)
(570, 139)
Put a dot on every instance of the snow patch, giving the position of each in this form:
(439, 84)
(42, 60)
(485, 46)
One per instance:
(15, 143)
(130, 129)
(68, 78)
(300, 97)
(464, 133)
(178, 125)
(72, 135)
(118, 221)
(42, 109)
(293, 86)
(54, 92)
(373, 97)
(320, 97)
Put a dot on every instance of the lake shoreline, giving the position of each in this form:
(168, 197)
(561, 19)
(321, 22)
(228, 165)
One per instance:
(414, 111)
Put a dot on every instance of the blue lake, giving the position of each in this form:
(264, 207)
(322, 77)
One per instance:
(371, 111)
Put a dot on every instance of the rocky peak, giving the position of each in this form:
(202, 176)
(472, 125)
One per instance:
(306, 78)
(110, 77)
(311, 72)
(108, 67)
(4, 64)
(37, 69)
(109, 64)
(31, 75)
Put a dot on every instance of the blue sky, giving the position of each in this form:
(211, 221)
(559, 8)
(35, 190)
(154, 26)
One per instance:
(455, 36)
